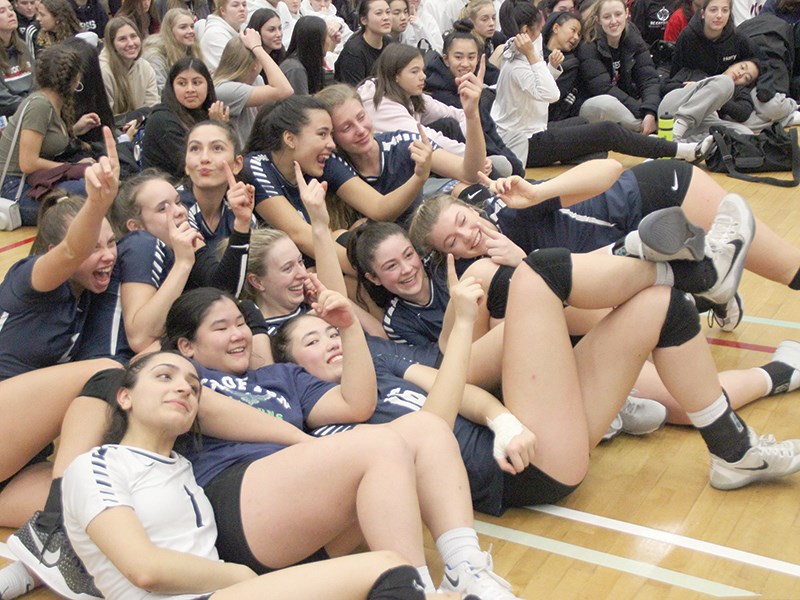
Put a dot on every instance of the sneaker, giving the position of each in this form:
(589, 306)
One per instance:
(479, 580)
(766, 459)
(727, 244)
(614, 429)
(641, 416)
(667, 234)
(727, 316)
(788, 353)
(50, 556)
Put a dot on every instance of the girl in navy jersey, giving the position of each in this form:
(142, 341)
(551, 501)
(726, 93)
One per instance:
(161, 254)
(265, 532)
(298, 129)
(170, 548)
(386, 160)
(43, 303)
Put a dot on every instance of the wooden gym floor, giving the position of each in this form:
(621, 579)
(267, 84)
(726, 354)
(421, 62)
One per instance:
(645, 523)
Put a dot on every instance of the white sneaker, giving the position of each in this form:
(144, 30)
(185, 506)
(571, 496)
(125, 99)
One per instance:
(727, 244)
(766, 459)
(666, 235)
(728, 316)
(479, 580)
(614, 429)
(641, 416)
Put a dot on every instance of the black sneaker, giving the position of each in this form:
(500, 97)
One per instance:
(49, 554)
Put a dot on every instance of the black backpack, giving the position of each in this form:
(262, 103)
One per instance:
(774, 149)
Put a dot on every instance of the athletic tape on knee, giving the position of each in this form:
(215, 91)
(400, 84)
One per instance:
(497, 298)
(682, 322)
(554, 265)
(399, 583)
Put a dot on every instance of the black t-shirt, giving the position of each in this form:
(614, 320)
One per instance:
(355, 62)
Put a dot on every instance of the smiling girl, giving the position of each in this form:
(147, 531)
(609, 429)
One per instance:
(129, 80)
(561, 36)
(365, 46)
(175, 40)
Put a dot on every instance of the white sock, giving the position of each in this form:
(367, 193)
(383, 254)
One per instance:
(686, 151)
(795, 120)
(425, 574)
(664, 274)
(459, 545)
(712, 412)
(706, 144)
(679, 128)
(15, 580)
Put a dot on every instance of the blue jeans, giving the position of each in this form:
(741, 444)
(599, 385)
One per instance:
(28, 207)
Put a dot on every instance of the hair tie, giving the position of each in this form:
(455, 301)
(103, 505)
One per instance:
(61, 199)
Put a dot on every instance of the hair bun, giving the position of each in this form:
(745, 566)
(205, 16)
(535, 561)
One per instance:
(463, 25)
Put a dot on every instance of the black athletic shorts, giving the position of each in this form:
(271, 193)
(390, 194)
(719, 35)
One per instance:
(42, 456)
(533, 486)
(662, 183)
(225, 493)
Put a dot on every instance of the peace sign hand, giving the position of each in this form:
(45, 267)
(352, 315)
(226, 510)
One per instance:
(241, 198)
(515, 191)
(183, 238)
(500, 249)
(313, 196)
(102, 178)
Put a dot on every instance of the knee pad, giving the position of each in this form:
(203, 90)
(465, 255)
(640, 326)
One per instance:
(399, 583)
(682, 322)
(497, 297)
(554, 265)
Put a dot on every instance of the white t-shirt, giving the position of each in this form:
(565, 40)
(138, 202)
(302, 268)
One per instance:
(163, 493)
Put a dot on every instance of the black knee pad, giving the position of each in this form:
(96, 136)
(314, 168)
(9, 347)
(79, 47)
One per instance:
(497, 298)
(682, 322)
(475, 194)
(554, 265)
(400, 583)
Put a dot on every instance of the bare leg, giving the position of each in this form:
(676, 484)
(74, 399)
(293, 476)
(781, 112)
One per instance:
(297, 500)
(82, 429)
(25, 494)
(33, 406)
(743, 386)
(442, 484)
(769, 256)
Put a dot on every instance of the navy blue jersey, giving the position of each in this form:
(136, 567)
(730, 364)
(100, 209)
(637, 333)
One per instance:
(410, 323)
(261, 172)
(275, 323)
(197, 221)
(37, 329)
(398, 397)
(285, 391)
(396, 167)
(583, 227)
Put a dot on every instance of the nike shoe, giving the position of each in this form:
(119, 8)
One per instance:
(479, 580)
(727, 316)
(614, 429)
(50, 556)
(666, 235)
(727, 244)
(766, 459)
(640, 416)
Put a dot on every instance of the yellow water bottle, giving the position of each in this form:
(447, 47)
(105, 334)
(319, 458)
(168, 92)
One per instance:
(665, 124)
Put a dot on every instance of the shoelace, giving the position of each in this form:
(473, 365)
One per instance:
(721, 232)
(771, 446)
(486, 569)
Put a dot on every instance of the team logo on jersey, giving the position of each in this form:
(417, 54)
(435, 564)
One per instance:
(663, 14)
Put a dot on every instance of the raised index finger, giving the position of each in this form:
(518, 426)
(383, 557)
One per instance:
(452, 276)
(422, 136)
(229, 174)
(111, 147)
(298, 175)
(482, 69)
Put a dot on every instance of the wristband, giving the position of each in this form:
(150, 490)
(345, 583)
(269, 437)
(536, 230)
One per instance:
(505, 427)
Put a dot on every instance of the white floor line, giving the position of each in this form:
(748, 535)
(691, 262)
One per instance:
(726, 552)
(771, 322)
(610, 561)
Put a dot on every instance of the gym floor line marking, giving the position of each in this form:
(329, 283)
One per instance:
(17, 244)
(726, 552)
(771, 322)
(741, 345)
(611, 561)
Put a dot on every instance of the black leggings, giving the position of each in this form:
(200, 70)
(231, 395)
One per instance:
(575, 137)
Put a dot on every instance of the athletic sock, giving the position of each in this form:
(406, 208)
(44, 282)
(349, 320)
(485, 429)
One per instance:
(679, 128)
(52, 516)
(781, 377)
(795, 282)
(664, 274)
(686, 151)
(724, 433)
(15, 581)
(425, 575)
(459, 545)
(694, 277)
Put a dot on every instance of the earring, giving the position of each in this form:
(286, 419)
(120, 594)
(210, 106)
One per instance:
(78, 88)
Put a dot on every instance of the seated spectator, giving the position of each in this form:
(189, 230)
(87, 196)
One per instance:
(175, 40)
(239, 86)
(365, 46)
(651, 17)
(57, 22)
(16, 73)
(92, 15)
(130, 81)
(220, 28)
(304, 65)
(561, 36)
(199, 9)
(26, 15)
(619, 80)
(143, 13)
(680, 19)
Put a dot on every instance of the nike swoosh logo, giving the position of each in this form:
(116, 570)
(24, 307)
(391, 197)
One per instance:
(49, 558)
(453, 582)
(472, 195)
(674, 181)
(738, 245)
(764, 465)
